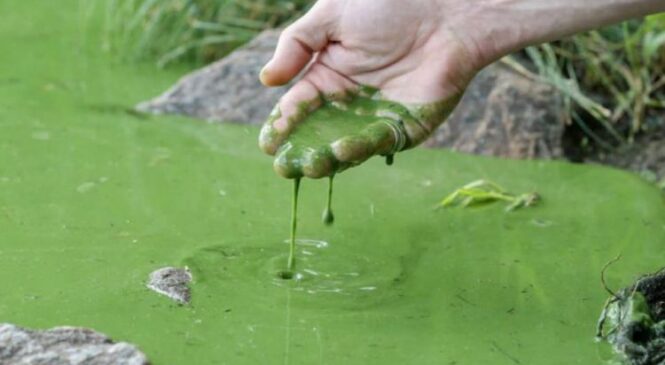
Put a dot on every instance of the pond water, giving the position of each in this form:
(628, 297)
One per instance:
(92, 199)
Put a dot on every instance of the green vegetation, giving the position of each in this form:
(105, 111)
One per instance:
(190, 30)
(613, 78)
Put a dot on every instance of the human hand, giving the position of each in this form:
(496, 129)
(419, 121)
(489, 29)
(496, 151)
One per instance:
(418, 53)
(409, 53)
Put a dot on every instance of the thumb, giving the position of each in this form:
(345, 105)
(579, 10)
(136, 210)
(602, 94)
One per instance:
(298, 43)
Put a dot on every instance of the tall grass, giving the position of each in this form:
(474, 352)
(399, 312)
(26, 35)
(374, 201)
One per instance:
(190, 30)
(613, 78)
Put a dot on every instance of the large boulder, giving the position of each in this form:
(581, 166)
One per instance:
(227, 90)
(64, 346)
(503, 113)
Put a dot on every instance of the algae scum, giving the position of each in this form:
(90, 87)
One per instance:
(93, 202)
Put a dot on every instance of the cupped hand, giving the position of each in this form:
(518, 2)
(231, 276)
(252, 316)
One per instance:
(416, 53)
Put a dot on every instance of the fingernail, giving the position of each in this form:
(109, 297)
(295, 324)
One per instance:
(263, 75)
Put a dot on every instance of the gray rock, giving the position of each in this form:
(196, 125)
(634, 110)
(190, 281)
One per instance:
(64, 346)
(228, 90)
(504, 113)
(172, 282)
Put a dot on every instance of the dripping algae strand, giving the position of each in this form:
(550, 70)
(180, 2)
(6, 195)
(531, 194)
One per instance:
(328, 217)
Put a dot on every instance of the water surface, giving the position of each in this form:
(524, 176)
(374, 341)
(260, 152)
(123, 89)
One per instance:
(92, 199)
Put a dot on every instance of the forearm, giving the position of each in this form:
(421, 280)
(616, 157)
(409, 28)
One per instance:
(509, 25)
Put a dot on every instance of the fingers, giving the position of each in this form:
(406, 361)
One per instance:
(377, 138)
(298, 43)
(320, 161)
(300, 100)
(295, 162)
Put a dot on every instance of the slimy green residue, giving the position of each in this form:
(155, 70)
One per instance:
(332, 133)
(291, 265)
(328, 217)
(390, 159)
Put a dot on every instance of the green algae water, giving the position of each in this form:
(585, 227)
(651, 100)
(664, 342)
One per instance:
(93, 199)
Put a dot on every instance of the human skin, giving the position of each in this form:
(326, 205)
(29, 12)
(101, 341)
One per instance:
(417, 52)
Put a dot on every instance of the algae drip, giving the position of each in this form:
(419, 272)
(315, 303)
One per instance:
(344, 130)
(328, 218)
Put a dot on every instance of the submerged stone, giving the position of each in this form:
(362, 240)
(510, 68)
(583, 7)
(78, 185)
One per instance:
(172, 282)
(64, 346)
(633, 321)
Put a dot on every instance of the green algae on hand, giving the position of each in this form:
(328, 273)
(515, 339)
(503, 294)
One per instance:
(337, 131)
(483, 191)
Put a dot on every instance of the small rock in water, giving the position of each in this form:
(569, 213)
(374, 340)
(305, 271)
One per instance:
(64, 346)
(172, 282)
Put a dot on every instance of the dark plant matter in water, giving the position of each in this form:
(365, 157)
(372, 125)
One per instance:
(633, 321)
